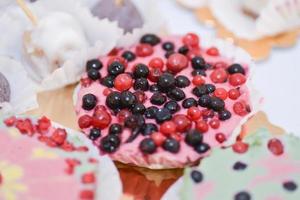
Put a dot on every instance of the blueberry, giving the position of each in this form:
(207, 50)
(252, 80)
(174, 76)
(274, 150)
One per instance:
(162, 115)
(140, 71)
(115, 129)
(199, 72)
(150, 112)
(235, 68)
(200, 90)
(113, 100)
(224, 115)
(108, 81)
(168, 46)
(158, 99)
(202, 148)
(183, 50)
(210, 88)
(172, 106)
(95, 133)
(147, 146)
(134, 121)
(182, 81)
(93, 74)
(141, 84)
(150, 39)
(169, 53)
(138, 108)
(148, 129)
(128, 55)
(198, 63)
(128, 99)
(166, 81)
(176, 94)
(242, 196)
(154, 88)
(216, 104)
(196, 176)
(171, 145)
(116, 68)
(193, 138)
(290, 186)
(89, 101)
(204, 101)
(239, 166)
(110, 143)
(189, 102)
(94, 64)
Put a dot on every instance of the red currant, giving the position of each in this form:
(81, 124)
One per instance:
(234, 94)
(106, 91)
(276, 147)
(117, 59)
(220, 137)
(158, 138)
(167, 128)
(43, 124)
(154, 74)
(241, 108)
(240, 147)
(85, 121)
(177, 62)
(10, 121)
(123, 82)
(85, 82)
(59, 136)
(191, 39)
(198, 80)
(156, 63)
(220, 65)
(101, 119)
(202, 126)
(219, 75)
(214, 123)
(194, 113)
(144, 50)
(193, 53)
(237, 79)
(140, 96)
(182, 123)
(221, 93)
(88, 178)
(123, 114)
(213, 51)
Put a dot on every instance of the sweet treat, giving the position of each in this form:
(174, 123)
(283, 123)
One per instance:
(41, 160)
(17, 91)
(55, 60)
(262, 166)
(166, 101)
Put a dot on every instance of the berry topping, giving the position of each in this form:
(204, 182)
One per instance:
(237, 79)
(214, 123)
(108, 81)
(189, 102)
(140, 71)
(115, 129)
(221, 93)
(156, 63)
(141, 84)
(154, 88)
(95, 133)
(202, 148)
(94, 64)
(198, 80)
(167, 128)
(138, 108)
(158, 99)
(219, 75)
(182, 123)
(168, 46)
(129, 56)
(166, 81)
(202, 126)
(234, 94)
(199, 72)
(162, 115)
(123, 82)
(101, 119)
(158, 138)
(240, 108)
(89, 101)
(276, 147)
(144, 50)
(147, 146)
(172, 106)
(93, 74)
(134, 121)
(224, 115)
(113, 100)
(110, 143)
(235, 68)
(128, 99)
(150, 112)
(191, 39)
(183, 50)
(213, 51)
(193, 138)
(196, 176)
(116, 68)
(85, 121)
(204, 101)
(182, 81)
(176, 94)
(290, 186)
(216, 104)
(154, 74)
(171, 145)
(240, 147)
(194, 113)
(239, 166)
(150, 39)
(220, 137)
(242, 196)
(177, 62)
(149, 128)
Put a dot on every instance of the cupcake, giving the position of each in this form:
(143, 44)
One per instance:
(55, 60)
(42, 160)
(17, 91)
(262, 166)
(166, 101)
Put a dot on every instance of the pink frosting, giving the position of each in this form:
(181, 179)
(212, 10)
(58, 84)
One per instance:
(130, 153)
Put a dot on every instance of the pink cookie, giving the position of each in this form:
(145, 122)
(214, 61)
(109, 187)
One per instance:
(40, 161)
(165, 102)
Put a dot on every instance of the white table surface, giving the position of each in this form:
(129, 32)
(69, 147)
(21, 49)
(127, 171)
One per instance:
(277, 78)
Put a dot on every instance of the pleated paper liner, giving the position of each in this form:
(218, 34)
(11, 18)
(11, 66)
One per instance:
(138, 183)
(258, 49)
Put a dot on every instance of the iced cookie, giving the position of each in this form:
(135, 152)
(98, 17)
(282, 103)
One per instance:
(40, 160)
(166, 101)
(261, 167)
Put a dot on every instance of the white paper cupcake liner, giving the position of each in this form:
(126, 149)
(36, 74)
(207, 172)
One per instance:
(23, 90)
(102, 36)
